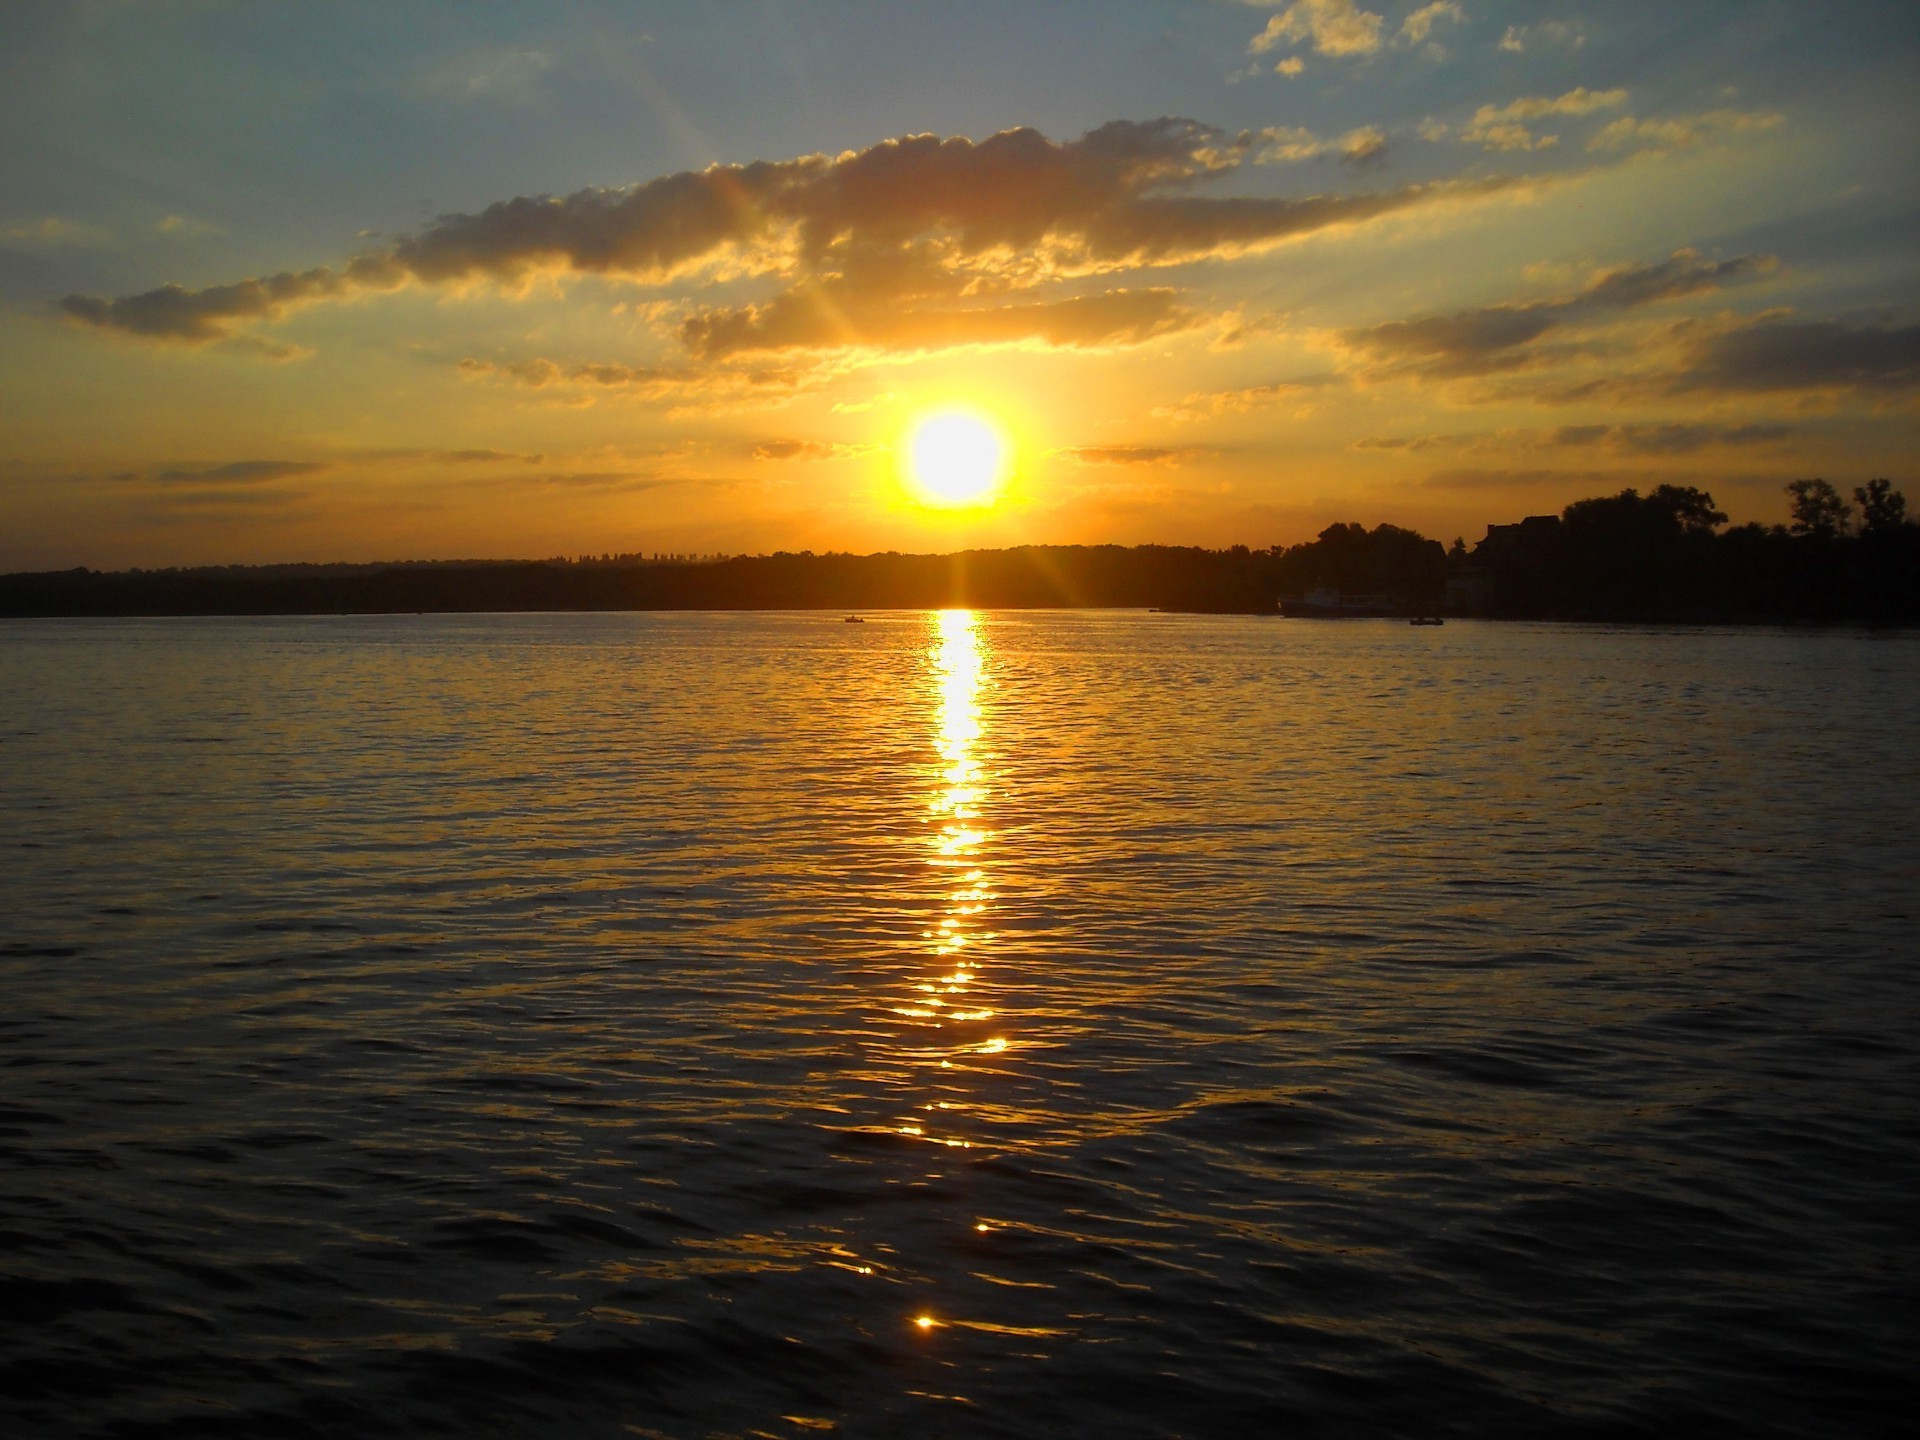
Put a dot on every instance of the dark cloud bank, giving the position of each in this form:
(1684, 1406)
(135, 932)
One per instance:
(915, 242)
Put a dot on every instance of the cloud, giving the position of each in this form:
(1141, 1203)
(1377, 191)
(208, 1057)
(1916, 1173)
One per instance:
(54, 232)
(539, 372)
(807, 450)
(1336, 27)
(1503, 127)
(1208, 403)
(505, 74)
(1557, 34)
(182, 227)
(710, 388)
(1652, 438)
(893, 238)
(244, 471)
(1418, 26)
(598, 480)
(1280, 144)
(1776, 355)
(1475, 479)
(1290, 67)
(1130, 454)
(486, 457)
(1680, 131)
(1493, 337)
(1414, 444)
(827, 317)
(1671, 438)
(198, 316)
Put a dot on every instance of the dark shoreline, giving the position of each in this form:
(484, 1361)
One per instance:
(1736, 579)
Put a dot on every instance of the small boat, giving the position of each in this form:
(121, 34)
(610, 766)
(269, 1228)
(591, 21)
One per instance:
(854, 620)
(1327, 603)
(1426, 620)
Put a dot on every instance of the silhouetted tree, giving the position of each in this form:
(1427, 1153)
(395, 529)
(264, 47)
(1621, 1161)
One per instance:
(1819, 510)
(1355, 560)
(1882, 508)
(1692, 510)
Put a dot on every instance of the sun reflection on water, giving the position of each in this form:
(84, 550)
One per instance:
(957, 843)
(960, 667)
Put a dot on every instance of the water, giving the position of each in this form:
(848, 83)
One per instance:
(642, 1024)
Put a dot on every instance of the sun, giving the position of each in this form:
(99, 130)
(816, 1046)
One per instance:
(955, 458)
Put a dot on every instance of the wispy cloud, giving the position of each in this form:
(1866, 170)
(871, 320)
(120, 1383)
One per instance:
(1282, 144)
(1130, 454)
(1505, 127)
(242, 471)
(1779, 354)
(1474, 341)
(1336, 27)
(1680, 131)
(489, 75)
(1205, 404)
(1418, 27)
(912, 244)
(806, 450)
(57, 232)
(1548, 34)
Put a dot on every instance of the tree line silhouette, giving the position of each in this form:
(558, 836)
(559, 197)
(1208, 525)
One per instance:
(1667, 555)
(1664, 556)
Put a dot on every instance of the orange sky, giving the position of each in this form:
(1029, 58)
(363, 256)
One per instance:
(567, 281)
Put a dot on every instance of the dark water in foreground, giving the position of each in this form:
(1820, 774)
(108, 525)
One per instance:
(639, 1024)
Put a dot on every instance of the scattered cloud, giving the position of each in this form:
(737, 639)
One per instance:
(808, 450)
(55, 232)
(539, 372)
(1680, 131)
(173, 312)
(1548, 34)
(1776, 354)
(1504, 127)
(1280, 144)
(486, 457)
(1475, 479)
(1494, 337)
(1670, 438)
(1336, 27)
(1414, 444)
(1130, 454)
(1208, 403)
(1418, 27)
(914, 242)
(598, 480)
(184, 227)
(709, 390)
(1658, 438)
(243, 471)
(1290, 67)
(827, 316)
(490, 75)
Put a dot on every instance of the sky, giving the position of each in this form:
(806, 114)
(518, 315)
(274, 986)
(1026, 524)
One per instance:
(365, 281)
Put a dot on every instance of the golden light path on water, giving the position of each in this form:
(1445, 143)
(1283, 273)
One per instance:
(957, 854)
(956, 845)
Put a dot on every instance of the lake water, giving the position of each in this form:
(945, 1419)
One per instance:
(993, 1024)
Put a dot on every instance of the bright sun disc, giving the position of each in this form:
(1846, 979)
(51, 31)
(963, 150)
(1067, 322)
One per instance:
(955, 459)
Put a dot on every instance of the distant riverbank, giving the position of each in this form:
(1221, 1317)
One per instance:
(1661, 557)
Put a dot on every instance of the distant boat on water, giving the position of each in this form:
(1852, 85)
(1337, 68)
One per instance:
(855, 620)
(1330, 604)
(1426, 620)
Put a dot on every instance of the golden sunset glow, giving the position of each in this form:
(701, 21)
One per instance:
(956, 458)
(1425, 266)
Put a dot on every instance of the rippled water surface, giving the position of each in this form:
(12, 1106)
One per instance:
(998, 1024)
